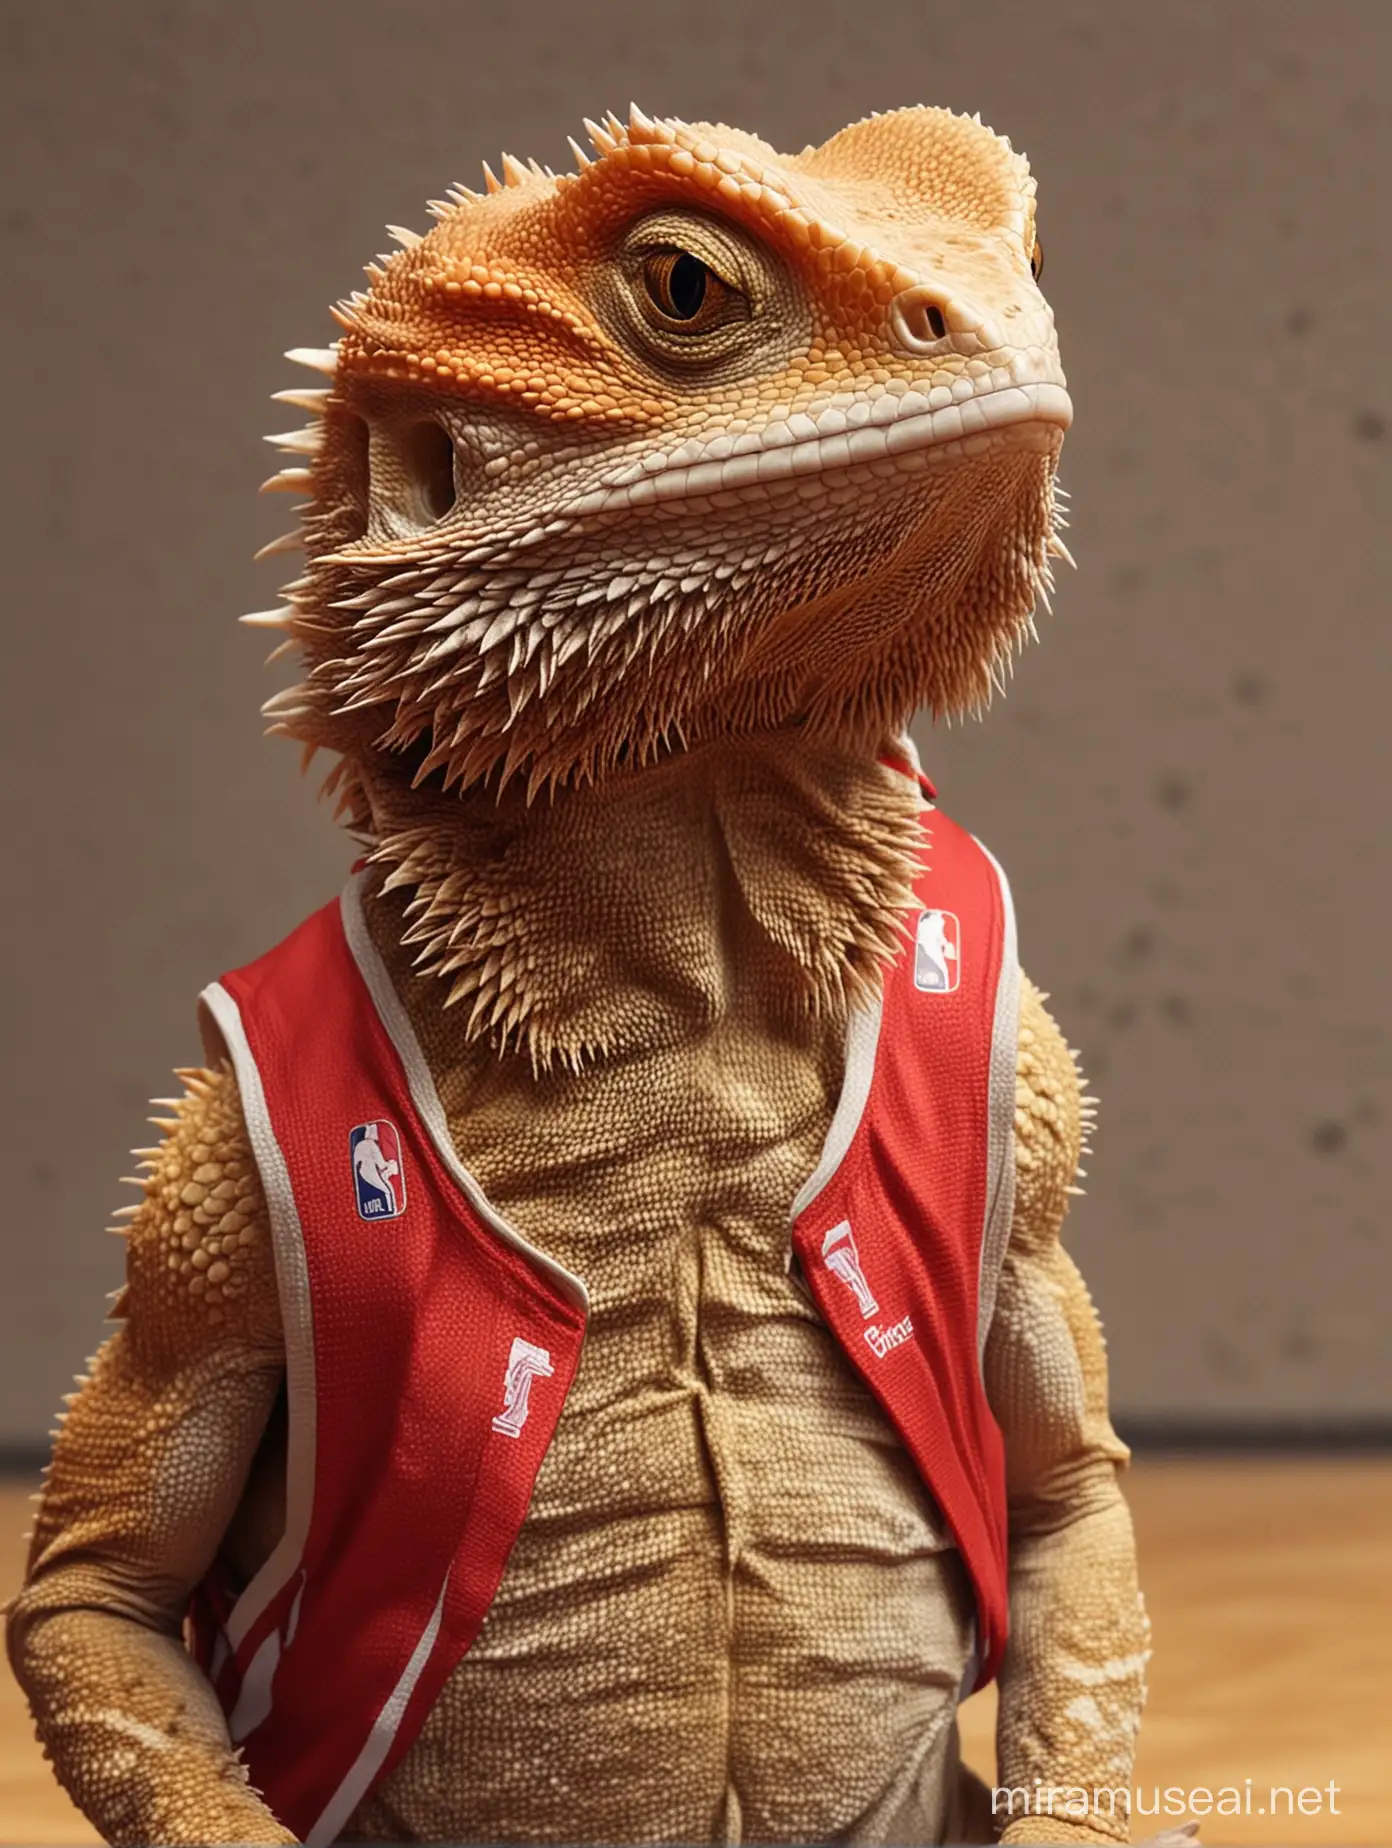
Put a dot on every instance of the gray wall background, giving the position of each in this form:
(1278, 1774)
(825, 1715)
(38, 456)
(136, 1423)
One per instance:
(1187, 781)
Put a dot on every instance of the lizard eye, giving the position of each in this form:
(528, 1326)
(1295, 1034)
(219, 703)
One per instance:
(684, 295)
(1037, 260)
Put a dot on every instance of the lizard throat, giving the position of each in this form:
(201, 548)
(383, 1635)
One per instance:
(547, 929)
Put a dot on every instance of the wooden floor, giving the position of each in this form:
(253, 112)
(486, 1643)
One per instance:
(1270, 1588)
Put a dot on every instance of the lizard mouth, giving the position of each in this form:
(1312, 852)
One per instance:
(928, 426)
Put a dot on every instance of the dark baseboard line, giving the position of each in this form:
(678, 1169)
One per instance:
(1164, 1436)
(22, 1459)
(1146, 1435)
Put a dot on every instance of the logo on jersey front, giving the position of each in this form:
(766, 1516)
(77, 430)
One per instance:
(881, 1340)
(843, 1261)
(526, 1362)
(938, 953)
(378, 1173)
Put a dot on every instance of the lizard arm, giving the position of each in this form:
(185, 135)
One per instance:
(1073, 1681)
(146, 1476)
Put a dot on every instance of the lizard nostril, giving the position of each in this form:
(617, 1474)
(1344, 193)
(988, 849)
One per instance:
(918, 318)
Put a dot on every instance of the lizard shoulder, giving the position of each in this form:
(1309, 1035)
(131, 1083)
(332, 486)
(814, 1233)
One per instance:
(198, 1339)
(199, 1263)
(1052, 1119)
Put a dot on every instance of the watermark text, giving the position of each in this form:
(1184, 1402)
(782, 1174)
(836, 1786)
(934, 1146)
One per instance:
(1076, 1802)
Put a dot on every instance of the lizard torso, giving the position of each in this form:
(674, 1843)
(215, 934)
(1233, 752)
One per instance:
(729, 1569)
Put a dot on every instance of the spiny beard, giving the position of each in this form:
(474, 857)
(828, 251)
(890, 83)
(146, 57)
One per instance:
(565, 647)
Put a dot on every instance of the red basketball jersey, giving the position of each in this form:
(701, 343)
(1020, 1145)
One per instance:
(430, 1347)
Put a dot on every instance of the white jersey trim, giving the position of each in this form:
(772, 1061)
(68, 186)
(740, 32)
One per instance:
(908, 750)
(296, 1314)
(1000, 1140)
(426, 1098)
(253, 1702)
(385, 1727)
(862, 1043)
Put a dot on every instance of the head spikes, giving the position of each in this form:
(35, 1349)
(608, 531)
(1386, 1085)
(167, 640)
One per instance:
(287, 542)
(490, 179)
(311, 398)
(289, 481)
(306, 442)
(602, 139)
(455, 195)
(582, 159)
(514, 172)
(406, 238)
(640, 126)
(318, 359)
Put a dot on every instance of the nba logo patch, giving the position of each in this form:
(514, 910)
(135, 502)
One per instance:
(938, 953)
(378, 1174)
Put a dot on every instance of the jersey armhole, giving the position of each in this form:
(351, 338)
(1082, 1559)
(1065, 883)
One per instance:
(215, 1048)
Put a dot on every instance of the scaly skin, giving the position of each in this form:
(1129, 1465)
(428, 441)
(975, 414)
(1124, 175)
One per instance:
(148, 1470)
(1073, 1681)
(629, 574)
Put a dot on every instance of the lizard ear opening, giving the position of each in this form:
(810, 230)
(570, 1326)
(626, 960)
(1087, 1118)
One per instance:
(429, 456)
(412, 478)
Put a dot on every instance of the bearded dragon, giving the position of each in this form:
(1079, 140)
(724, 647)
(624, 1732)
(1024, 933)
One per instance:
(645, 503)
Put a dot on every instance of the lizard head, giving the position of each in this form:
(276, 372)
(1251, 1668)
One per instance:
(696, 442)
